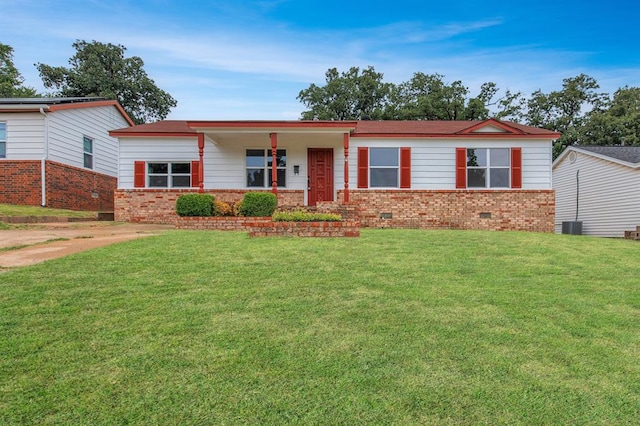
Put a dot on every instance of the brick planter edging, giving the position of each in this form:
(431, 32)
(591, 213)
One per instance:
(305, 229)
(266, 227)
(220, 223)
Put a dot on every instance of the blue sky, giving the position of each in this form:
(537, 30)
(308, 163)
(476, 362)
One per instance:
(250, 59)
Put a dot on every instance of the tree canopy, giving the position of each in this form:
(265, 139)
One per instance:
(10, 78)
(356, 94)
(102, 70)
(579, 111)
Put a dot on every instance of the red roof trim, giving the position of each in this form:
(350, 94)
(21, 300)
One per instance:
(153, 134)
(273, 124)
(458, 136)
(492, 122)
(94, 104)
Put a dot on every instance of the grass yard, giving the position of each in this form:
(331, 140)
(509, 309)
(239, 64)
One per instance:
(16, 210)
(394, 327)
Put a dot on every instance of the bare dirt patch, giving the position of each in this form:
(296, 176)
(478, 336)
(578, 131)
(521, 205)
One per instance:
(39, 242)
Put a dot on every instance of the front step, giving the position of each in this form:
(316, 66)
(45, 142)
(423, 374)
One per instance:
(632, 235)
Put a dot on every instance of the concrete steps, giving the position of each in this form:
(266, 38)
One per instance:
(633, 235)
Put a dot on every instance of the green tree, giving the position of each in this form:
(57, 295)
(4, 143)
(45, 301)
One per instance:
(350, 95)
(615, 122)
(10, 78)
(353, 95)
(564, 111)
(99, 69)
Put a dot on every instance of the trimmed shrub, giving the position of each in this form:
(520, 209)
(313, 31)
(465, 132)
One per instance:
(235, 208)
(220, 208)
(303, 216)
(195, 205)
(258, 204)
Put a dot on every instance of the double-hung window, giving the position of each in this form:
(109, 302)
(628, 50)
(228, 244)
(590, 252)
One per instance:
(87, 147)
(169, 175)
(3, 140)
(488, 167)
(259, 167)
(384, 167)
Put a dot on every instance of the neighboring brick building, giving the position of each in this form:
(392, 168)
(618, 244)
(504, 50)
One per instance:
(419, 174)
(57, 152)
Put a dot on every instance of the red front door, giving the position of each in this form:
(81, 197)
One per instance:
(320, 165)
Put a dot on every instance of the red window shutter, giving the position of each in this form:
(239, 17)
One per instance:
(461, 167)
(516, 167)
(405, 167)
(139, 175)
(195, 174)
(363, 167)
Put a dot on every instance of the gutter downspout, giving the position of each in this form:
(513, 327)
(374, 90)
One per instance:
(45, 156)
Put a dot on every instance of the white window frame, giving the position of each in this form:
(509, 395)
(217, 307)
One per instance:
(265, 167)
(87, 154)
(169, 175)
(3, 141)
(396, 167)
(488, 168)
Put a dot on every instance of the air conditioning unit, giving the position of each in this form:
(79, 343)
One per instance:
(572, 228)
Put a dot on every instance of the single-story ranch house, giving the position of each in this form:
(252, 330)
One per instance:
(57, 152)
(424, 174)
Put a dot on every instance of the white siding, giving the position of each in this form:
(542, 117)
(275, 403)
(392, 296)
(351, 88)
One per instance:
(25, 135)
(151, 149)
(609, 201)
(433, 161)
(67, 128)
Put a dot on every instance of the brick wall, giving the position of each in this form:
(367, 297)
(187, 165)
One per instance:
(73, 188)
(68, 187)
(522, 210)
(159, 205)
(20, 182)
(223, 223)
(304, 229)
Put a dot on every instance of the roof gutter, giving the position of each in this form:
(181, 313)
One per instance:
(43, 163)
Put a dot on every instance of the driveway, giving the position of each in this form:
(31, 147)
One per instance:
(44, 241)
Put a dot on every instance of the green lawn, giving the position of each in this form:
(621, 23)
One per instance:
(394, 327)
(16, 210)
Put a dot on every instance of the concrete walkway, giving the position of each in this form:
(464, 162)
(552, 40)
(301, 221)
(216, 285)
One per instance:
(44, 241)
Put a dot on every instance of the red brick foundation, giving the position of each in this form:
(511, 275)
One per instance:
(67, 187)
(159, 205)
(514, 210)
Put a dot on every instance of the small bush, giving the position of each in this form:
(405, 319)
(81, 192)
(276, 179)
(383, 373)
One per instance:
(195, 205)
(258, 204)
(220, 208)
(235, 208)
(302, 216)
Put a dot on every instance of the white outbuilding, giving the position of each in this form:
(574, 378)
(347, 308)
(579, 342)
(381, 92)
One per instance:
(598, 189)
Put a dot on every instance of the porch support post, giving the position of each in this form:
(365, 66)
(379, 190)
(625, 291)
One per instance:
(201, 160)
(346, 168)
(274, 164)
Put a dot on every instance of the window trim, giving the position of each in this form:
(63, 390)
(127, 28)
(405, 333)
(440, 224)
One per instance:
(267, 170)
(396, 168)
(514, 175)
(4, 141)
(88, 154)
(489, 168)
(404, 166)
(141, 174)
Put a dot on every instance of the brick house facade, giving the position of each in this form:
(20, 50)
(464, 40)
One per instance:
(68, 137)
(459, 174)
